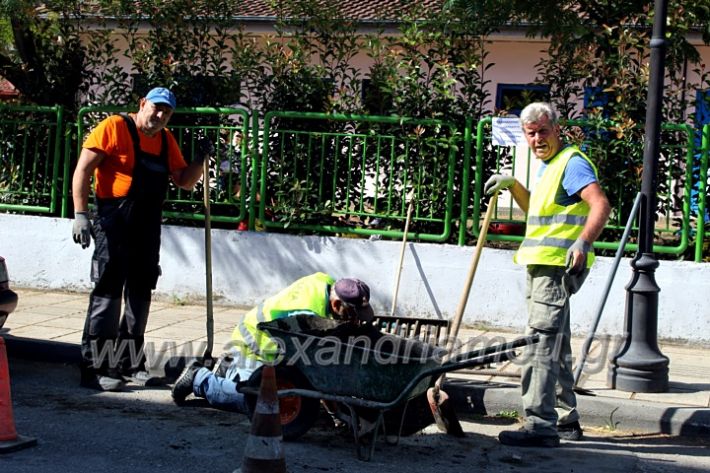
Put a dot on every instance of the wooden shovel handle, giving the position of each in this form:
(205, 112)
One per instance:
(209, 321)
(453, 334)
(395, 292)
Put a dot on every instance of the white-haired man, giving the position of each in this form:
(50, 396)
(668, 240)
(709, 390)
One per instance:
(566, 212)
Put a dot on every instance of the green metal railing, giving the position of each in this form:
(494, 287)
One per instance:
(518, 161)
(350, 174)
(229, 131)
(702, 193)
(30, 158)
(466, 182)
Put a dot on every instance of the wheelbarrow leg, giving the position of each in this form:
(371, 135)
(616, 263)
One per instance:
(401, 426)
(363, 453)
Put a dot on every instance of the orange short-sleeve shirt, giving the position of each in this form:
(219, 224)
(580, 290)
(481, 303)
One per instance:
(113, 176)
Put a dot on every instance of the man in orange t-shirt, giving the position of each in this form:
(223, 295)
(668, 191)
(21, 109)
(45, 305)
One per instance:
(132, 157)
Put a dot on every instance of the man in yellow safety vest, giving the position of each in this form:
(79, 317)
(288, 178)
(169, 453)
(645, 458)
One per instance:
(566, 212)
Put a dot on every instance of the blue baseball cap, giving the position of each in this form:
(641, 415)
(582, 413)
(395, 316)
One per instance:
(162, 96)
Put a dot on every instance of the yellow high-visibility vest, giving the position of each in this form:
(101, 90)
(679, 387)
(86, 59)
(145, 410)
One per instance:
(552, 228)
(308, 295)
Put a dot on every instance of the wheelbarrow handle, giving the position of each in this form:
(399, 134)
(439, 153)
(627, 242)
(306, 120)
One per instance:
(517, 343)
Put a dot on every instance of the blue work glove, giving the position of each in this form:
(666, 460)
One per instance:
(81, 230)
(583, 247)
(498, 182)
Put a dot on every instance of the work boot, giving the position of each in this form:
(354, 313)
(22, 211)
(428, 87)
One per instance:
(527, 438)
(183, 384)
(571, 431)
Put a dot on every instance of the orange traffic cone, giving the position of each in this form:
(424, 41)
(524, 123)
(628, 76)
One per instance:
(264, 449)
(9, 440)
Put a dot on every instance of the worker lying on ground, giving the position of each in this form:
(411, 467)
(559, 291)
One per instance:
(318, 295)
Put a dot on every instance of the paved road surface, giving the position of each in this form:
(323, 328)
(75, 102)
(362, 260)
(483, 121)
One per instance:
(142, 431)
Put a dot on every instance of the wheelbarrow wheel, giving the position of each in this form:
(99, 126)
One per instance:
(298, 414)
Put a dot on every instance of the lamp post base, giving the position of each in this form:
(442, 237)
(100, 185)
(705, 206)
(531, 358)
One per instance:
(646, 376)
(639, 365)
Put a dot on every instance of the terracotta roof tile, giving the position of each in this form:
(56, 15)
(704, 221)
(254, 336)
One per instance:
(363, 10)
(7, 89)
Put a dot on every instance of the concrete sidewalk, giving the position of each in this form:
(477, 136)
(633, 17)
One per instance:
(48, 325)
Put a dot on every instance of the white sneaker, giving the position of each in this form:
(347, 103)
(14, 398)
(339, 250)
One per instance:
(110, 384)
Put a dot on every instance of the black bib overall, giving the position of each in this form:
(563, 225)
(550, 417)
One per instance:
(125, 263)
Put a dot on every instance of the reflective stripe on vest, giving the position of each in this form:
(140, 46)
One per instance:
(552, 228)
(308, 295)
(249, 340)
(555, 219)
(547, 241)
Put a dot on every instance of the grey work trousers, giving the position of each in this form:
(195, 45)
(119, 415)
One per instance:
(547, 378)
(124, 264)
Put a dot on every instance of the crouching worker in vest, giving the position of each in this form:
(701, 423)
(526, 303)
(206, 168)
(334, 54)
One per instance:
(318, 295)
(566, 212)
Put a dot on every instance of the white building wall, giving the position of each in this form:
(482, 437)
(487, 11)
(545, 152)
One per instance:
(248, 266)
(514, 57)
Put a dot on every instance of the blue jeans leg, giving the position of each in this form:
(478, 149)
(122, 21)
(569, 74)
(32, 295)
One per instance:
(219, 392)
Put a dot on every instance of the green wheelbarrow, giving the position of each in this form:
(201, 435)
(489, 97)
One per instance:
(363, 376)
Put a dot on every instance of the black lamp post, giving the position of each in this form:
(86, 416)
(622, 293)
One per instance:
(639, 365)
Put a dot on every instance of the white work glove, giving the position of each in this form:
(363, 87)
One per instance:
(81, 230)
(498, 182)
(577, 266)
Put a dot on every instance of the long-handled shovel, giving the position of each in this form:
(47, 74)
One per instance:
(410, 208)
(442, 410)
(207, 359)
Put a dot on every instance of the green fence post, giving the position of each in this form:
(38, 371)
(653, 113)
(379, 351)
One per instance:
(479, 173)
(255, 174)
(68, 131)
(55, 195)
(702, 192)
(465, 185)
